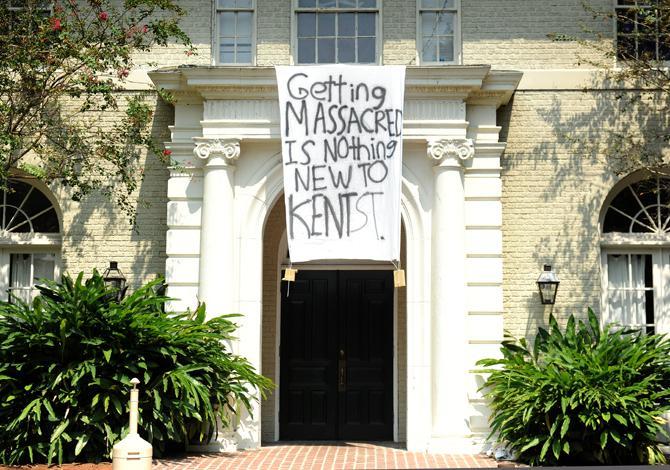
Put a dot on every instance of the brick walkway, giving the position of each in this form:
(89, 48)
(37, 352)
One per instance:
(324, 456)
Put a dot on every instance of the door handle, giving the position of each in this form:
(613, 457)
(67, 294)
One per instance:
(342, 373)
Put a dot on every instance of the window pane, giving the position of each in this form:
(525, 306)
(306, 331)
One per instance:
(326, 3)
(307, 3)
(625, 47)
(445, 23)
(226, 4)
(47, 222)
(43, 266)
(366, 50)
(244, 3)
(244, 24)
(346, 3)
(367, 3)
(664, 48)
(19, 266)
(243, 53)
(346, 50)
(429, 49)
(227, 23)
(625, 21)
(326, 51)
(428, 23)
(438, 4)
(326, 24)
(306, 25)
(646, 47)
(366, 24)
(346, 25)
(227, 49)
(306, 51)
(446, 49)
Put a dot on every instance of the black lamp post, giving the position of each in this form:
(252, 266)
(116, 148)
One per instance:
(548, 284)
(115, 279)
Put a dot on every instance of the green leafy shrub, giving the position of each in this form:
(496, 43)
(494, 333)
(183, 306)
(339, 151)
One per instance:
(583, 396)
(67, 360)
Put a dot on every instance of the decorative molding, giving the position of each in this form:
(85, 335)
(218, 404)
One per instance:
(229, 149)
(458, 149)
(241, 109)
(434, 109)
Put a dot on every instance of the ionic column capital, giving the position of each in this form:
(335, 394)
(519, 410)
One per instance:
(447, 152)
(220, 152)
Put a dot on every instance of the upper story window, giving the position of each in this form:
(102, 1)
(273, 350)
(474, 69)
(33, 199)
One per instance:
(234, 26)
(337, 31)
(438, 31)
(41, 7)
(18, 9)
(643, 29)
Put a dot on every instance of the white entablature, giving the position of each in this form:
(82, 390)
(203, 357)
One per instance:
(241, 102)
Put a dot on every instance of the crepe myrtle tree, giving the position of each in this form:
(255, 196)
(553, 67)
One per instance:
(62, 64)
(635, 65)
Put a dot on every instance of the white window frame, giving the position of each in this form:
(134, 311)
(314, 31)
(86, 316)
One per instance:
(615, 29)
(378, 28)
(216, 37)
(655, 244)
(458, 41)
(5, 257)
(660, 272)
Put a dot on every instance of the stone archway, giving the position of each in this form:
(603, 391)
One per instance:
(274, 252)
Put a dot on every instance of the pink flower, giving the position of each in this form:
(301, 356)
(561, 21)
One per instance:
(167, 152)
(188, 53)
(145, 29)
(55, 24)
(122, 73)
(103, 16)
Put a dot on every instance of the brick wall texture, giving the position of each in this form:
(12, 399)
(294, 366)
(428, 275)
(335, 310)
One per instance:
(555, 180)
(95, 231)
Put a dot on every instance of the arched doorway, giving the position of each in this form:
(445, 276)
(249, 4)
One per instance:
(274, 258)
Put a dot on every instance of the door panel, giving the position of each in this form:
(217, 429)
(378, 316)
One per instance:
(366, 337)
(308, 398)
(337, 356)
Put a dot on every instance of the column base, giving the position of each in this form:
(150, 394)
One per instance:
(455, 445)
(223, 442)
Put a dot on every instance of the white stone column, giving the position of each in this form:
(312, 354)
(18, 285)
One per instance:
(449, 340)
(216, 285)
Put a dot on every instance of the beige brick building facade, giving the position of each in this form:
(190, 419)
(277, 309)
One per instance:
(531, 195)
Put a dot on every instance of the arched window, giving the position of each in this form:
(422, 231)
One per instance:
(30, 240)
(635, 245)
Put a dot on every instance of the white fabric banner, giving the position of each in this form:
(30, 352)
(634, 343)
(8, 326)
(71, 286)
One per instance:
(341, 129)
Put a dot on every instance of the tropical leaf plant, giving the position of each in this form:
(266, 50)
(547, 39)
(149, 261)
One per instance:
(67, 359)
(584, 395)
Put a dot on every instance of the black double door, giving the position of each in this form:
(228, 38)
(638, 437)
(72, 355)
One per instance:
(336, 356)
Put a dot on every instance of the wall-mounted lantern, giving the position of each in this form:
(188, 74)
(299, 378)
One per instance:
(547, 283)
(115, 279)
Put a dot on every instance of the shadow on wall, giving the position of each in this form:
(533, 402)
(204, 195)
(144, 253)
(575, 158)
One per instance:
(564, 154)
(97, 231)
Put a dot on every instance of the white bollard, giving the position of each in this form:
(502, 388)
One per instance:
(133, 452)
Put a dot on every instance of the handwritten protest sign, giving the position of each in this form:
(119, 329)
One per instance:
(341, 128)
